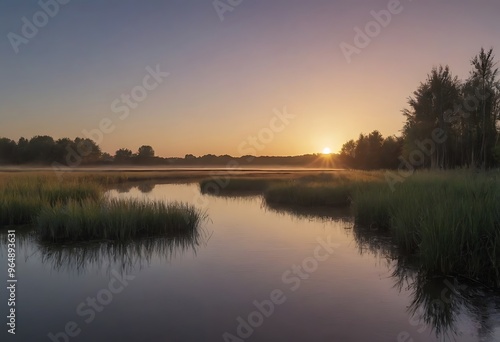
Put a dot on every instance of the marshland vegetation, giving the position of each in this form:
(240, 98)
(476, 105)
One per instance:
(77, 209)
(448, 220)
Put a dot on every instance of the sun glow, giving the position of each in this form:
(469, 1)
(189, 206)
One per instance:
(327, 150)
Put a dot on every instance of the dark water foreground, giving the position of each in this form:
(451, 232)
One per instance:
(253, 274)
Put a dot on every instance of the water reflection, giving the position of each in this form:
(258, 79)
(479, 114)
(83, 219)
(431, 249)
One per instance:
(441, 303)
(25, 235)
(447, 307)
(144, 187)
(124, 257)
(322, 213)
(230, 194)
(123, 187)
(376, 242)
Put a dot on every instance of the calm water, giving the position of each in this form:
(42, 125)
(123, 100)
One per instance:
(314, 276)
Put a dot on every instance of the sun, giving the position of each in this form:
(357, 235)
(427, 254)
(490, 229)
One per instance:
(327, 150)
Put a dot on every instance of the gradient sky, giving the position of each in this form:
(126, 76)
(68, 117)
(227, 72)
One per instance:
(227, 77)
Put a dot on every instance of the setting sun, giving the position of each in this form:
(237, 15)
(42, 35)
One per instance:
(327, 150)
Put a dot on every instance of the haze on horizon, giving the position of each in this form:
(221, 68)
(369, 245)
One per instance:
(227, 78)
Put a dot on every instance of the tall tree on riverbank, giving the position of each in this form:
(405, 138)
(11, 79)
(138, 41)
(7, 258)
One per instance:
(438, 95)
(466, 114)
(481, 102)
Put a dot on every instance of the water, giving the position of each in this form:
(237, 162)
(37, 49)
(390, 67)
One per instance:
(351, 286)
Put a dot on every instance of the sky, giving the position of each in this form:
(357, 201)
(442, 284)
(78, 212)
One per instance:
(280, 77)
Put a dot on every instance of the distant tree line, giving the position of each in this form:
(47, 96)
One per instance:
(449, 124)
(372, 152)
(44, 150)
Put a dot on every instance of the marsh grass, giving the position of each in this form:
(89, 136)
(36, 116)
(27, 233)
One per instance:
(226, 185)
(333, 189)
(450, 221)
(116, 220)
(21, 199)
(315, 194)
(75, 209)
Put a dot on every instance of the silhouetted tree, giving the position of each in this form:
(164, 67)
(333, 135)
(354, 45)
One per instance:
(481, 91)
(123, 155)
(7, 151)
(391, 150)
(40, 149)
(348, 153)
(440, 94)
(145, 151)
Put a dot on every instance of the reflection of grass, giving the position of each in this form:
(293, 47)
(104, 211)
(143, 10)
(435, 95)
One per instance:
(114, 219)
(125, 256)
(449, 220)
(313, 213)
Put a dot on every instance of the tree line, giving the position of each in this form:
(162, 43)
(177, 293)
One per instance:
(45, 150)
(449, 124)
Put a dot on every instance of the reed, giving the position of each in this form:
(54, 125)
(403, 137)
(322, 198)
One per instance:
(116, 220)
(224, 185)
(21, 199)
(305, 194)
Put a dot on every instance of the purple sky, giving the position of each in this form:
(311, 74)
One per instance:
(226, 78)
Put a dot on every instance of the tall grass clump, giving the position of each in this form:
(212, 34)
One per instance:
(305, 194)
(450, 221)
(372, 203)
(22, 198)
(116, 220)
(222, 185)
